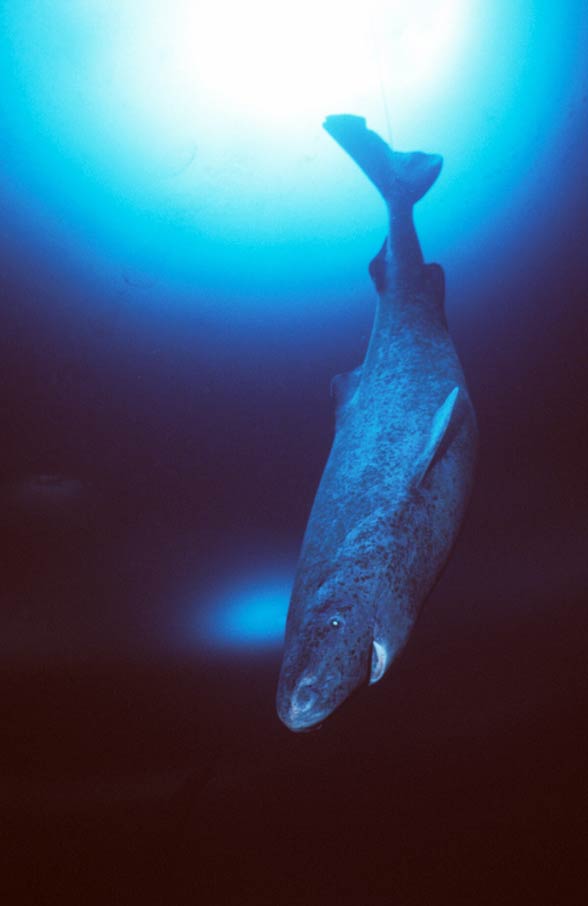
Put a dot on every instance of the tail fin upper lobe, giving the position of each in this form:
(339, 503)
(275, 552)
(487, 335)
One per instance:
(395, 174)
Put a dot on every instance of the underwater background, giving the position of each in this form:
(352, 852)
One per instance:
(183, 260)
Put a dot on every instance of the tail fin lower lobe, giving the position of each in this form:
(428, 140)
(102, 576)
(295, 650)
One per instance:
(396, 175)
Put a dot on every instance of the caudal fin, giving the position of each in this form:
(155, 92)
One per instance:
(395, 174)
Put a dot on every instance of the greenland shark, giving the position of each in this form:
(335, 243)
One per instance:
(398, 477)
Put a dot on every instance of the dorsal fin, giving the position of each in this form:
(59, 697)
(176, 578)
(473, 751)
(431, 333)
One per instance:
(446, 416)
(377, 268)
(344, 385)
(433, 277)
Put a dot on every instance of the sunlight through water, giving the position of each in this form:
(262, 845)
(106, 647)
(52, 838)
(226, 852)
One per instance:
(178, 145)
(250, 613)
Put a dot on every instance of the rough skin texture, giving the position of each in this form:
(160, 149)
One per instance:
(387, 512)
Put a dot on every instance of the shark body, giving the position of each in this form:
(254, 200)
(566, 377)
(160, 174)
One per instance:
(399, 474)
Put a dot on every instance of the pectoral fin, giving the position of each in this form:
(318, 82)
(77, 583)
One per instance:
(343, 386)
(445, 419)
(380, 661)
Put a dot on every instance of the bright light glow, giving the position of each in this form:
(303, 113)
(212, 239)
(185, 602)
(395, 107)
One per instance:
(176, 144)
(205, 116)
(153, 83)
(248, 614)
(273, 61)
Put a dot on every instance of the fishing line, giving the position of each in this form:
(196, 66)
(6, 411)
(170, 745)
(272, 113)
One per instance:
(380, 78)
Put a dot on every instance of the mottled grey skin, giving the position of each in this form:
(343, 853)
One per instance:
(396, 484)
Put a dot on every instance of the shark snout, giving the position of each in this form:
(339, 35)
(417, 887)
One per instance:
(302, 709)
(305, 696)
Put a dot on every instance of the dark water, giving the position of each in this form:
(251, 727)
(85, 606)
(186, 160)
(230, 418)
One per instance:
(162, 442)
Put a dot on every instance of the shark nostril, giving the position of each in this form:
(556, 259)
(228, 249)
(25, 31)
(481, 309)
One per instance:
(305, 696)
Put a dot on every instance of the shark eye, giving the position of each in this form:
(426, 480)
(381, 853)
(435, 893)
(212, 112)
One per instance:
(336, 622)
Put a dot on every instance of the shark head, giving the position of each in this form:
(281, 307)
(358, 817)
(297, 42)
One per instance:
(329, 652)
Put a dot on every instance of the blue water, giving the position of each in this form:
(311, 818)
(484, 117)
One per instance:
(184, 261)
(196, 273)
